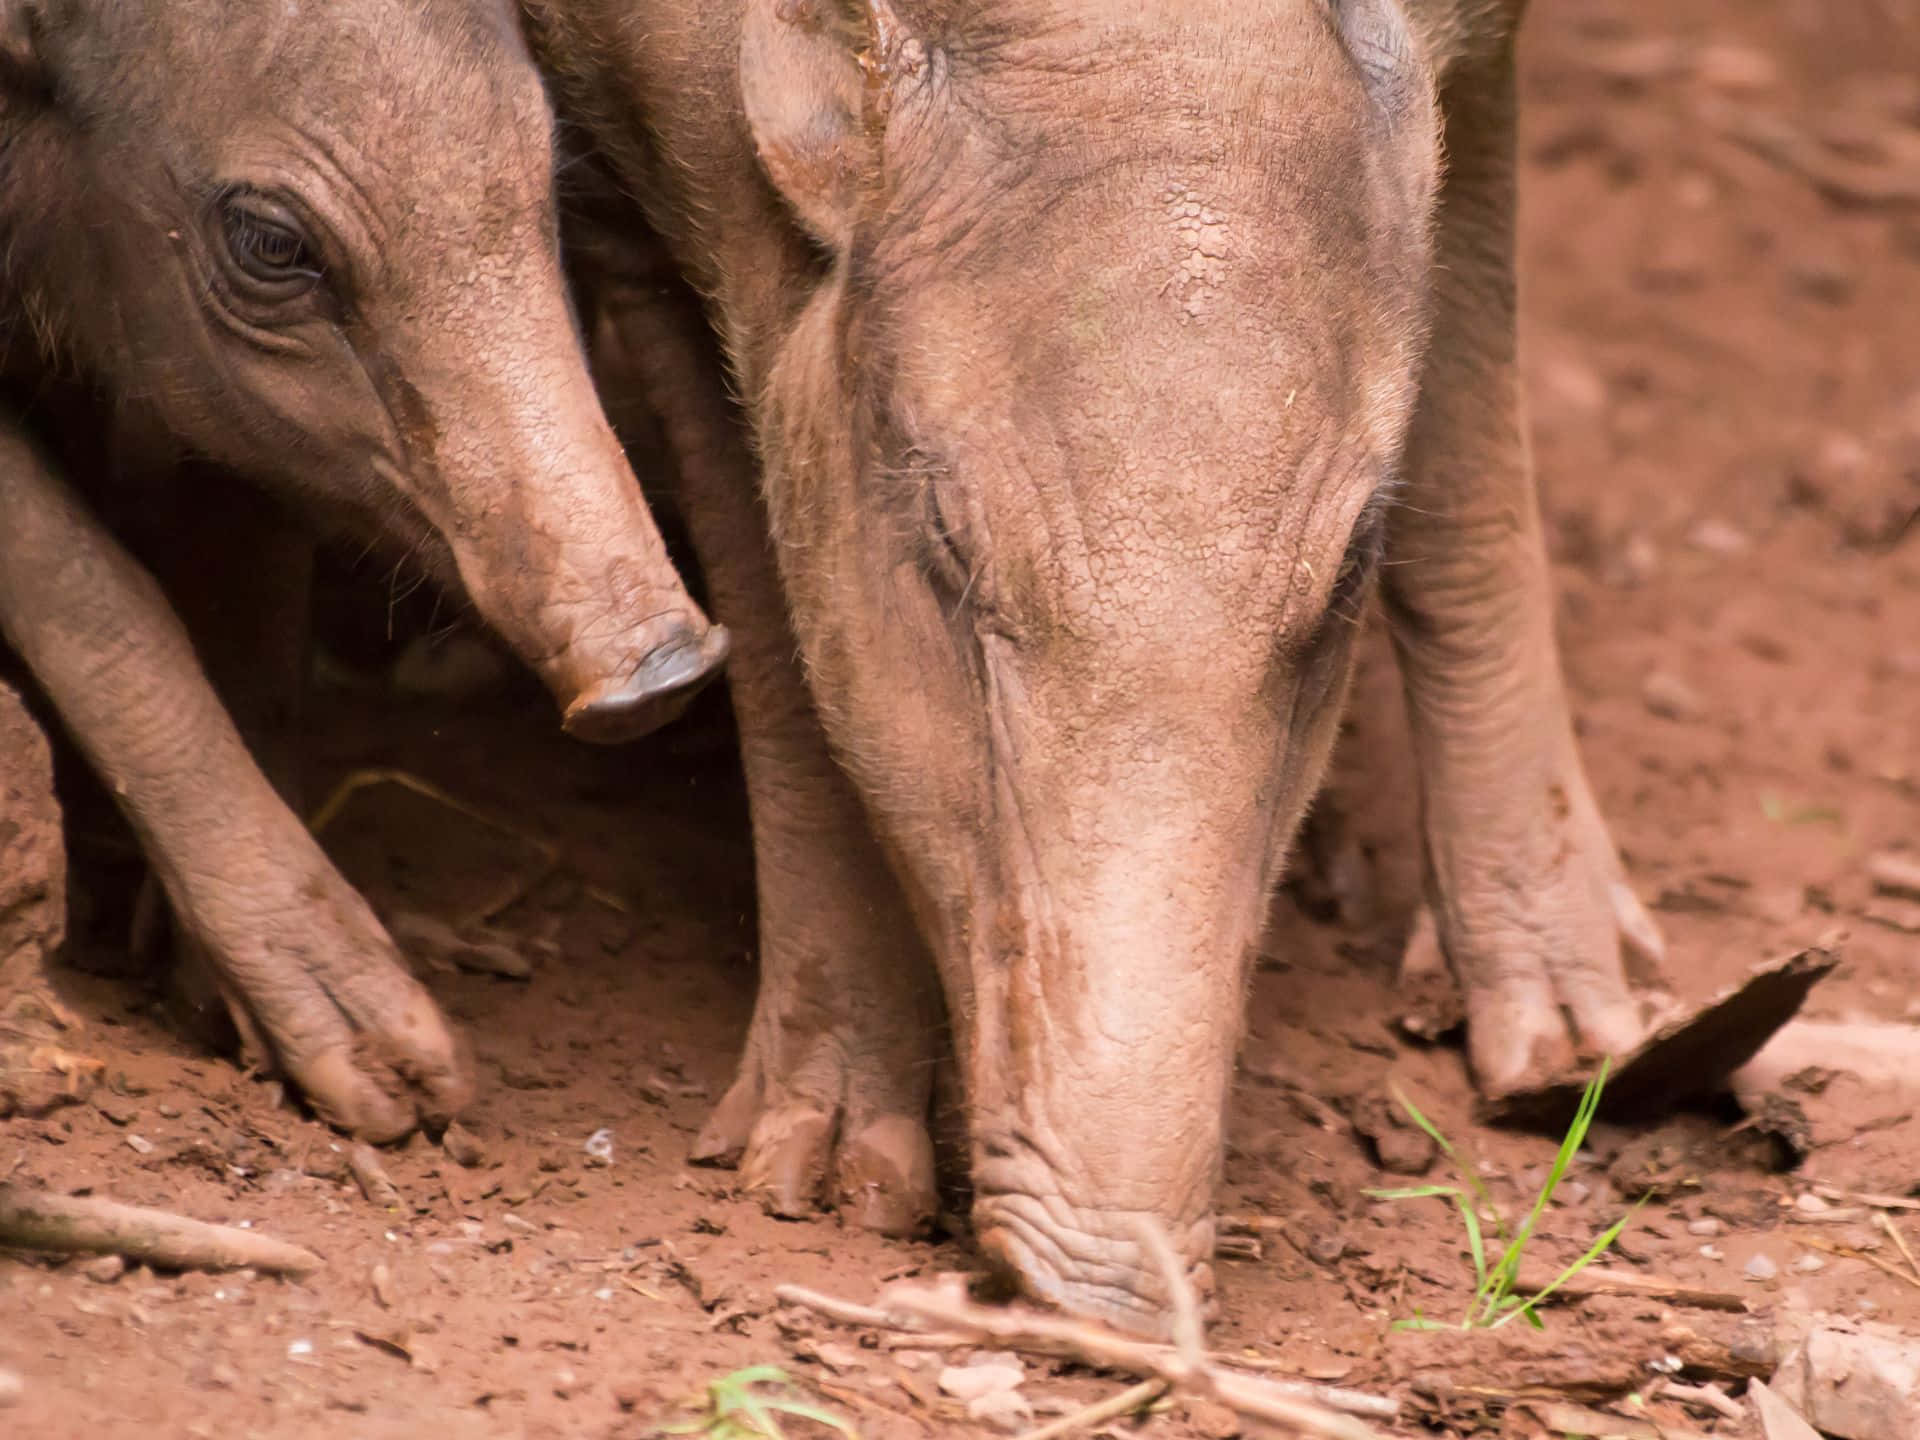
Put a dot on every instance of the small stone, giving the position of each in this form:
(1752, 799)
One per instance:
(1706, 1227)
(514, 1222)
(299, 1349)
(117, 1110)
(969, 1382)
(104, 1269)
(223, 1375)
(1006, 1410)
(1736, 69)
(1718, 537)
(1808, 1264)
(1671, 698)
(12, 1389)
(1810, 1204)
(1711, 1251)
(1638, 562)
(139, 1144)
(167, 1111)
(565, 1382)
(1760, 1268)
(1327, 1247)
(599, 1147)
(1214, 1420)
(382, 1282)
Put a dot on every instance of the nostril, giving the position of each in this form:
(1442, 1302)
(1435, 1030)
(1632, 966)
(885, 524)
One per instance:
(656, 691)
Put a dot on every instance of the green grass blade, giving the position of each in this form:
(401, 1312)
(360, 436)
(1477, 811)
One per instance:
(1475, 1242)
(1417, 1192)
(1453, 1156)
(1575, 1137)
(1593, 1253)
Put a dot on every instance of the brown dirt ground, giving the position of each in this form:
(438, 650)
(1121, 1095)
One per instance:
(1725, 375)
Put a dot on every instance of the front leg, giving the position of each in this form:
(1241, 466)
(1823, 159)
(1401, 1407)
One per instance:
(1528, 894)
(830, 1104)
(295, 947)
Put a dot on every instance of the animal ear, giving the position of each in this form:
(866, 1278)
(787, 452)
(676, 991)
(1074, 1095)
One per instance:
(815, 78)
(22, 71)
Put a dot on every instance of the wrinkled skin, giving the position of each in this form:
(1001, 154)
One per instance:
(1096, 354)
(314, 247)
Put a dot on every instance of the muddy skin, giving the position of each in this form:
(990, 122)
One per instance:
(264, 244)
(1099, 432)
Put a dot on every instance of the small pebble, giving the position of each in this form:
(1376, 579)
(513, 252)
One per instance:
(104, 1269)
(12, 1389)
(599, 1147)
(1006, 1410)
(1807, 1264)
(1810, 1204)
(514, 1222)
(564, 1383)
(299, 1348)
(1761, 1268)
(969, 1382)
(1706, 1227)
(1712, 1252)
(168, 1112)
(1718, 537)
(1671, 698)
(117, 1110)
(139, 1144)
(1326, 1248)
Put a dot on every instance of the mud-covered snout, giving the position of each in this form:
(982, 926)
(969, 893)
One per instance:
(656, 689)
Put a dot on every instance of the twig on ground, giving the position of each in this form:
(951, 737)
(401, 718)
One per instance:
(845, 1311)
(1885, 1222)
(372, 1178)
(1848, 1253)
(1858, 1197)
(1593, 1281)
(1134, 1397)
(1708, 1397)
(38, 1220)
(1189, 1336)
(1577, 1420)
(515, 888)
(933, 1314)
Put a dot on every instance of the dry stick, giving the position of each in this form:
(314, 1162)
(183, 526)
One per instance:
(1309, 1409)
(516, 886)
(1134, 1397)
(1886, 1223)
(962, 1323)
(845, 1311)
(1594, 1280)
(1861, 1197)
(1710, 1397)
(1844, 1253)
(38, 1220)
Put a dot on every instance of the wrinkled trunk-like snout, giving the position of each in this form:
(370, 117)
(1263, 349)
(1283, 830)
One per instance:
(1105, 998)
(1102, 1071)
(1089, 1262)
(554, 542)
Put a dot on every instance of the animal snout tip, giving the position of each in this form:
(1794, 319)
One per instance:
(655, 692)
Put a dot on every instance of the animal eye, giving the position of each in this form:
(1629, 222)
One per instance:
(266, 246)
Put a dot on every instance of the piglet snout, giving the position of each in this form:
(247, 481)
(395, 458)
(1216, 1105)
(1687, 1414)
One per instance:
(656, 690)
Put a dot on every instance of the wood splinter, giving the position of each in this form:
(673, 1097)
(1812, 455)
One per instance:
(69, 1224)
